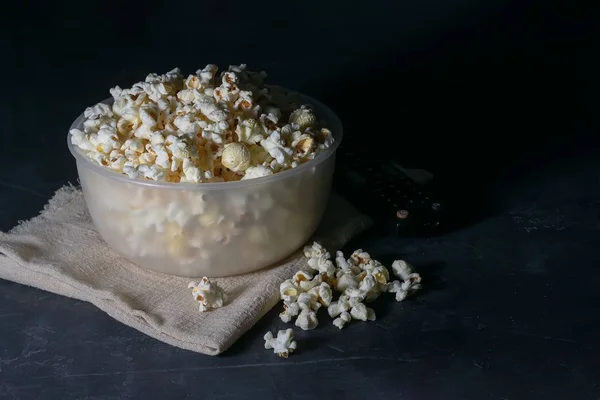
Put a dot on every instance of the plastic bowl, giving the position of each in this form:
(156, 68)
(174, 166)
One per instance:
(210, 229)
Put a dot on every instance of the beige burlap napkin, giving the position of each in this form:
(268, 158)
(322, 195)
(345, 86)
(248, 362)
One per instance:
(61, 252)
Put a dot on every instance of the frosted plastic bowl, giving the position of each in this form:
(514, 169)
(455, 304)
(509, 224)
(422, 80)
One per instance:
(210, 229)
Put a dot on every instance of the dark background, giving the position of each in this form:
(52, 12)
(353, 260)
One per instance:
(498, 98)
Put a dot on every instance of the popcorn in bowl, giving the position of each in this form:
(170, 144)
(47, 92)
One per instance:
(208, 175)
(207, 127)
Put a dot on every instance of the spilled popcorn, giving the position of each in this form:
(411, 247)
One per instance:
(359, 280)
(283, 344)
(208, 294)
(208, 127)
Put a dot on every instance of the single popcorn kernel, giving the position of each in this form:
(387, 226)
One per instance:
(208, 294)
(305, 145)
(283, 344)
(304, 118)
(236, 157)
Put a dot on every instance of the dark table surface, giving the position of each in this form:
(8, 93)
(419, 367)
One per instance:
(497, 100)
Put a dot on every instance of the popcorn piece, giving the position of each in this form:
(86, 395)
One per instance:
(290, 310)
(303, 117)
(346, 281)
(307, 320)
(236, 157)
(338, 307)
(406, 288)
(396, 287)
(359, 258)
(301, 276)
(330, 280)
(354, 296)
(277, 149)
(289, 291)
(325, 294)
(283, 345)
(368, 283)
(341, 262)
(97, 111)
(257, 172)
(309, 301)
(404, 270)
(342, 320)
(208, 294)
(381, 274)
(306, 284)
(360, 312)
(371, 314)
(315, 250)
(249, 131)
(323, 265)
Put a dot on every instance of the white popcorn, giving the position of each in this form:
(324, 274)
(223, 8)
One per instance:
(283, 345)
(303, 117)
(326, 138)
(147, 158)
(234, 124)
(359, 279)
(354, 296)
(368, 284)
(277, 148)
(80, 139)
(396, 287)
(149, 115)
(186, 124)
(342, 320)
(192, 173)
(236, 157)
(309, 301)
(131, 172)
(381, 274)
(98, 110)
(289, 291)
(192, 82)
(323, 265)
(345, 281)
(315, 250)
(360, 312)
(249, 131)
(338, 307)
(305, 281)
(325, 294)
(404, 270)
(207, 73)
(290, 310)
(371, 314)
(360, 258)
(257, 172)
(151, 172)
(341, 262)
(301, 276)
(186, 96)
(404, 289)
(133, 146)
(208, 294)
(307, 320)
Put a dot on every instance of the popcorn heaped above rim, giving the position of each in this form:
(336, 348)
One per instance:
(277, 164)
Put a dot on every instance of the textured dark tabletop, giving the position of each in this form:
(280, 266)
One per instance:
(498, 100)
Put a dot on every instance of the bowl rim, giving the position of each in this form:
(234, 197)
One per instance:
(324, 112)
